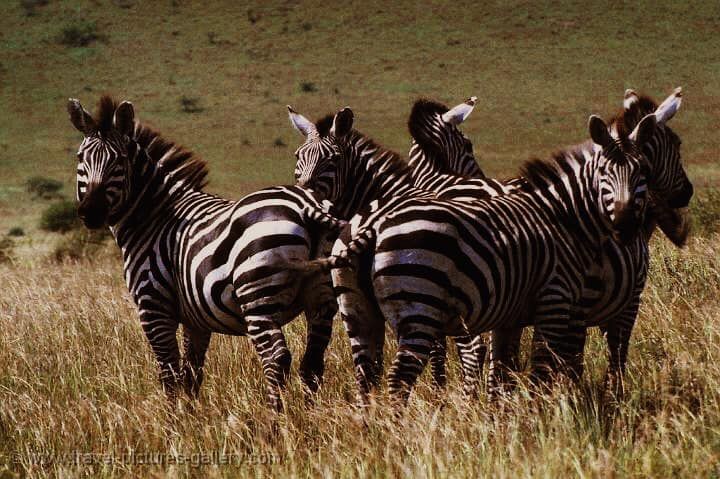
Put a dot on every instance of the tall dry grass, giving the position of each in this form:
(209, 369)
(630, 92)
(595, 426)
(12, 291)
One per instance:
(77, 378)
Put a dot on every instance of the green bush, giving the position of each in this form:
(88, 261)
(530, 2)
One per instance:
(16, 231)
(42, 187)
(190, 105)
(79, 34)
(30, 6)
(60, 217)
(705, 212)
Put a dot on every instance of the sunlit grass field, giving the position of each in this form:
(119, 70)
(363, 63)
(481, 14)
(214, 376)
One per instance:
(77, 380)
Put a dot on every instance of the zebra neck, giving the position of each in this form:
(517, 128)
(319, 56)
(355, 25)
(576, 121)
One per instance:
(571, 198)
(374, 173)
(433, 172)
(156, 201)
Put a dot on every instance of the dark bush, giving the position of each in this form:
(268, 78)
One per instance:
(42, 187)
(279, 143)
(308, 87)
(190, 105)
(60, 217)
(30, 6)
(79, 34)
(16, 231)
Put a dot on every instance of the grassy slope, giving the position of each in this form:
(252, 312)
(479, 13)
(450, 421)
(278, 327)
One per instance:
(540, 71)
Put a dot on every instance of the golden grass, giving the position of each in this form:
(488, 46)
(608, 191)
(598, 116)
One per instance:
(78, 378)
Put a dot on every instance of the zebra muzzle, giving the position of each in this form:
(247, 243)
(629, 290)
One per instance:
(93, 209)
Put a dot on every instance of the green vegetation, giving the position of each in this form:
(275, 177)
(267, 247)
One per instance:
(16, 231)
(60, 217)
(705, 212)
(41, 187)
(79, 34)
(76, 372)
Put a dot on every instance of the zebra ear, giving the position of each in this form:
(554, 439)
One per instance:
(458, 114)
(645, 129)
(124, 119)
(342, 123)
(599, 131)
(79, 117)
(301, 124)
(630, 99)
(669, 107)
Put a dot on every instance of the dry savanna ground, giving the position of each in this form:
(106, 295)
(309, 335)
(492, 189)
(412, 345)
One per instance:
(77, 380)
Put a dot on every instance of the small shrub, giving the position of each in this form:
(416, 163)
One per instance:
(16, 231)
(79, 34)
(705, 212)
(308, 87)
(279, 143)
(190, 105)
(30, 6)
(42, 187)
(6, 249)
(82, 243)
(60, 217)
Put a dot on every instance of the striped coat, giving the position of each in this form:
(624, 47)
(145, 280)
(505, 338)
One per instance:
(191, 258)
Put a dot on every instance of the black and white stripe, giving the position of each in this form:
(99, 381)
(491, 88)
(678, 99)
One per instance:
(443, 266)
(440, 158)
(613, 289)
(210, 264)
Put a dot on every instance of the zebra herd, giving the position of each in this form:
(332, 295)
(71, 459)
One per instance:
(427, 244)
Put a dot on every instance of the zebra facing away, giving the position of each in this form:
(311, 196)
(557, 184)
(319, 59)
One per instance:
(503, 261)
(442, 160)
(191, 258)
(614, 286)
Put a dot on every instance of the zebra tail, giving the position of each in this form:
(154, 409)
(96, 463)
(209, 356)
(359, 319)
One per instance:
(323, 219)
(345, 259)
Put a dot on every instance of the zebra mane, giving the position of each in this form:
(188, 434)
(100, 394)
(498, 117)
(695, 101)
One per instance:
(627, 119)
(421, 111)
(104, 114)
(543, 174)
(390, 158)
(176, 162)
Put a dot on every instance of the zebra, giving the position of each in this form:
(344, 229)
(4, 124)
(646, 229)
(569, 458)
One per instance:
(442, 159)
(453, 267)
(601, 307)
(211, 264)
(614, 286)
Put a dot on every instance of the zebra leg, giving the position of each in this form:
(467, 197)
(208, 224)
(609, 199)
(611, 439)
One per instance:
(438, 356)
(365, 329)
(504, 359)
(195, 345)
(471, 351)
(319, 332)
(161, 334)
(554, 343)
(617, 335)
(269, 342)
(414, 345)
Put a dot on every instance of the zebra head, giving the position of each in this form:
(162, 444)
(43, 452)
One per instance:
(319, 157)
(621, 172)
(668, 180)
(104, 158)
(435, 129)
